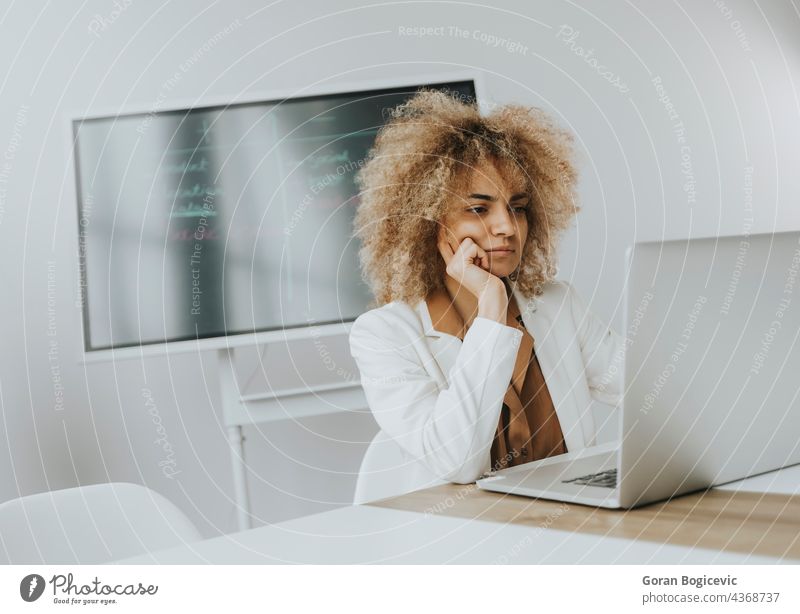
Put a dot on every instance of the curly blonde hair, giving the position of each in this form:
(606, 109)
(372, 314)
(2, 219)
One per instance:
(423, 155)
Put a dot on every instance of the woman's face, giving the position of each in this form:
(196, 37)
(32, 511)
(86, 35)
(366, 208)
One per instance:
(493, 215)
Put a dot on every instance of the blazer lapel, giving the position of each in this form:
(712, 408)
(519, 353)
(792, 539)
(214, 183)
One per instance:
(551, 357)
(442, 346)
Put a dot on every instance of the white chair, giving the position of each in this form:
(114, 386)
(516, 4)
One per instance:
(90, 525)
(388, 471)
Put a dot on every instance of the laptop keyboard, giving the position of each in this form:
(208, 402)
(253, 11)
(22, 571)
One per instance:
(605, 479)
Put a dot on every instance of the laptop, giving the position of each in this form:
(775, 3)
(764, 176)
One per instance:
(711, 376)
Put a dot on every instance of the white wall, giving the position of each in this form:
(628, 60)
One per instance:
(734, 90)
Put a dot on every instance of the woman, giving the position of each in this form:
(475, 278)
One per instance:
(474, 358)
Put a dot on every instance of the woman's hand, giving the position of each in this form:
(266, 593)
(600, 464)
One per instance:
(469, 266)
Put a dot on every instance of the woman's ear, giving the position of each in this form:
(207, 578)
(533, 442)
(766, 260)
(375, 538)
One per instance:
(444, 234)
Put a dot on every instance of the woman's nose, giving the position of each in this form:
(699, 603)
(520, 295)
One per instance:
(503, 222)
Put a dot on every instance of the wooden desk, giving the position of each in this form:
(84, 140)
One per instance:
(729, 518)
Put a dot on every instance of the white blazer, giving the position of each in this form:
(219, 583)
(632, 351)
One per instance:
(440, 398)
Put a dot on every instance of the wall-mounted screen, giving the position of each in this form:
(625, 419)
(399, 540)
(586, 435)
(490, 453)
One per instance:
(224, 220)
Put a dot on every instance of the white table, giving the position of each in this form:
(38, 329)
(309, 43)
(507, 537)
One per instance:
(369, 534)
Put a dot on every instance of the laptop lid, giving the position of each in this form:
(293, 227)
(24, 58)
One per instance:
(712, 365)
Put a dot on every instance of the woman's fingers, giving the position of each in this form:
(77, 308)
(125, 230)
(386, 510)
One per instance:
(484, 258)
(467, 252)
(475, 254)
(469, 264)
(467, 248)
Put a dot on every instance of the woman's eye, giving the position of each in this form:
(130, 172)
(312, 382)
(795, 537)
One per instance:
(518, 209)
